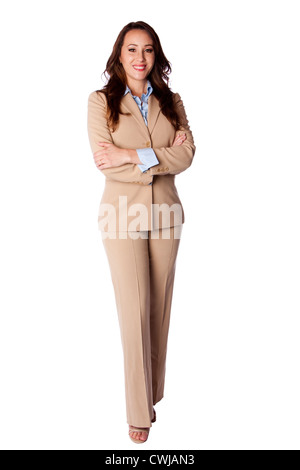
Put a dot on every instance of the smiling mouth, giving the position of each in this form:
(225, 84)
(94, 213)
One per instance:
(139, 68)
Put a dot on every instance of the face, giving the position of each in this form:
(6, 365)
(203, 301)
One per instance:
(137, 55)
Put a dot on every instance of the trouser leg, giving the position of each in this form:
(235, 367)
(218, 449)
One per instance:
(162, 259)
(129, 266)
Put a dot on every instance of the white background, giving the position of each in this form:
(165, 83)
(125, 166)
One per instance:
(233, 359)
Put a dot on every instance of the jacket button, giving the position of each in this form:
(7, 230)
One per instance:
(148, 144)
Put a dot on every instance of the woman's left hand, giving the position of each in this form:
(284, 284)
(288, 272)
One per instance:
(110, 156)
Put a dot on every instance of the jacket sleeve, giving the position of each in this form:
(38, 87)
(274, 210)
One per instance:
(174, 160)
(98, 131)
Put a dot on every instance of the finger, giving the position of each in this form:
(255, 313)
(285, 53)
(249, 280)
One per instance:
(100, 165)
(102, 147)
(104, 166)
(97, 153)
(100, 161)
(104, 144)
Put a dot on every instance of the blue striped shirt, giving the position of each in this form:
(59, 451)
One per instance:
(146, 155)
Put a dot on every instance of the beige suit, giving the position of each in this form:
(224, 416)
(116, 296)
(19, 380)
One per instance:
(142, 256)
(133, 133)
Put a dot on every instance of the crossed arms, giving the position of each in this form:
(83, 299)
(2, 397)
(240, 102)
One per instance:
(172, 160)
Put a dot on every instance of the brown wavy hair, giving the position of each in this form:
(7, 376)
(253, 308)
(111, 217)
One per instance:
(159, 78)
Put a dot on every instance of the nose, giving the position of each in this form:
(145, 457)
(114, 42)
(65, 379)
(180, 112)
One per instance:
(141, 56)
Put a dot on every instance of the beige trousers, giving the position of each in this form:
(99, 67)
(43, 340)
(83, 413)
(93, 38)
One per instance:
(142, 272)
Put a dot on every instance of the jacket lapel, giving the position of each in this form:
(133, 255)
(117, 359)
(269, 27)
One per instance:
(153, 112)
(130, 105)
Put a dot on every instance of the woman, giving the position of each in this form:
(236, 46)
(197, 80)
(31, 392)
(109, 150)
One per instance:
(140, 139)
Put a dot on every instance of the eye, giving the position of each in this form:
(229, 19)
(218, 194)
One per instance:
(147, 50)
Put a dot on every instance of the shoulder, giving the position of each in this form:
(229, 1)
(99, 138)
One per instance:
(97, 96)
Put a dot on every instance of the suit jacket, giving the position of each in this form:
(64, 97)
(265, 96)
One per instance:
(132, 200)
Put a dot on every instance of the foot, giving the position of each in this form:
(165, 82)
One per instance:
(141, 435)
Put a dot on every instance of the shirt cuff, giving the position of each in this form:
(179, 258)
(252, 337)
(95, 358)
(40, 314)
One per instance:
(148, 158)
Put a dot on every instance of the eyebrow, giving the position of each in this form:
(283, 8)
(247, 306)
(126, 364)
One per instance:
(137, 45)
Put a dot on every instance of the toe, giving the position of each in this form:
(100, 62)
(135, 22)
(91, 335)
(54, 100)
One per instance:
(138, 435)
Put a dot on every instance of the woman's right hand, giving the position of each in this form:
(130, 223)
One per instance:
(179, 139)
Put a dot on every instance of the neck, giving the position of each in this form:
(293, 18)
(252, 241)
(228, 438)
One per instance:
(138, 87)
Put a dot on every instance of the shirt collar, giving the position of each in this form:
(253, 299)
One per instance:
(149, 89)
